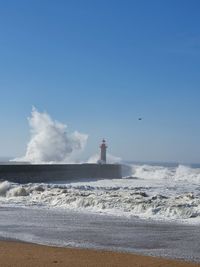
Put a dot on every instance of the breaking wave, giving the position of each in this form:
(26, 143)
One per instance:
(50, 142)
(180, 173)
(157, 193)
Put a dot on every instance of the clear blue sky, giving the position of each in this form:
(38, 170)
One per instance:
(98, 66)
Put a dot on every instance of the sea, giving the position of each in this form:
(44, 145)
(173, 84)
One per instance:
(154, 211)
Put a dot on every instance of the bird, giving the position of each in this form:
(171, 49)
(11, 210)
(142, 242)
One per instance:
(139, 119)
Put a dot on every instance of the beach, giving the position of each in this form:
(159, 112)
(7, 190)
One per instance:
(26, 254)
(99, 133)
(154, 216)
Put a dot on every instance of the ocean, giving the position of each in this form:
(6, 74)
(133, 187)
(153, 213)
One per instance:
(155, 211)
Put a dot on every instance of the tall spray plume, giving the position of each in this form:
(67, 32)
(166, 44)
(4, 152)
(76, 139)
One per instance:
(50, 141)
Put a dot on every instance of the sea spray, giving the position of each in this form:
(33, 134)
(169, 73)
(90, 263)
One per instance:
(110, 159)
(50, 142)
(4, 187)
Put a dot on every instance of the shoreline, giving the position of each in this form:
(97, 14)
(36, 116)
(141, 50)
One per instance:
(17, 253)
(99, 232)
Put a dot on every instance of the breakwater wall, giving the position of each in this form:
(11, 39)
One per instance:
(39, 173)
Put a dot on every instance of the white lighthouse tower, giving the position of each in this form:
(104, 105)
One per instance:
(103, 148)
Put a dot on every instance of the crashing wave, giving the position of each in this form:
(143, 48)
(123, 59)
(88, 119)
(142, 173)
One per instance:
(180, 173)
(110, 200)
(50, 142)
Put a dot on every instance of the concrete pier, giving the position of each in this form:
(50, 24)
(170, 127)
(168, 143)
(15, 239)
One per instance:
(39, 173)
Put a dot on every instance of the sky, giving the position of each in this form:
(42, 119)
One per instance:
(98, 66)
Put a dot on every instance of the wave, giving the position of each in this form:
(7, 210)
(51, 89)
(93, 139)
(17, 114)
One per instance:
(111, 200)
(156, 192)
(51, 142)
(180, 173)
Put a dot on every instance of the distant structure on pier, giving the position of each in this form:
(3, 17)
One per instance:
(103, 148)
(42, 173)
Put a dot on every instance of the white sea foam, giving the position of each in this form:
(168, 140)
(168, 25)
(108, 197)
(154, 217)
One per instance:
(110, 159)
(152, 172)
(158, 193)
(4, 187)
(50, 142)
(184, 173)
(180, 173)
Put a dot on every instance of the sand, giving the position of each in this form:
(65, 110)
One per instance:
(17, 254)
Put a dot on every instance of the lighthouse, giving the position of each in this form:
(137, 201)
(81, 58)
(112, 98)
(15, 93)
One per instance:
(103, 148)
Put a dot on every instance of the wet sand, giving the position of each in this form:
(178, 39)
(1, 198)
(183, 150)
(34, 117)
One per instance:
(20, 254)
